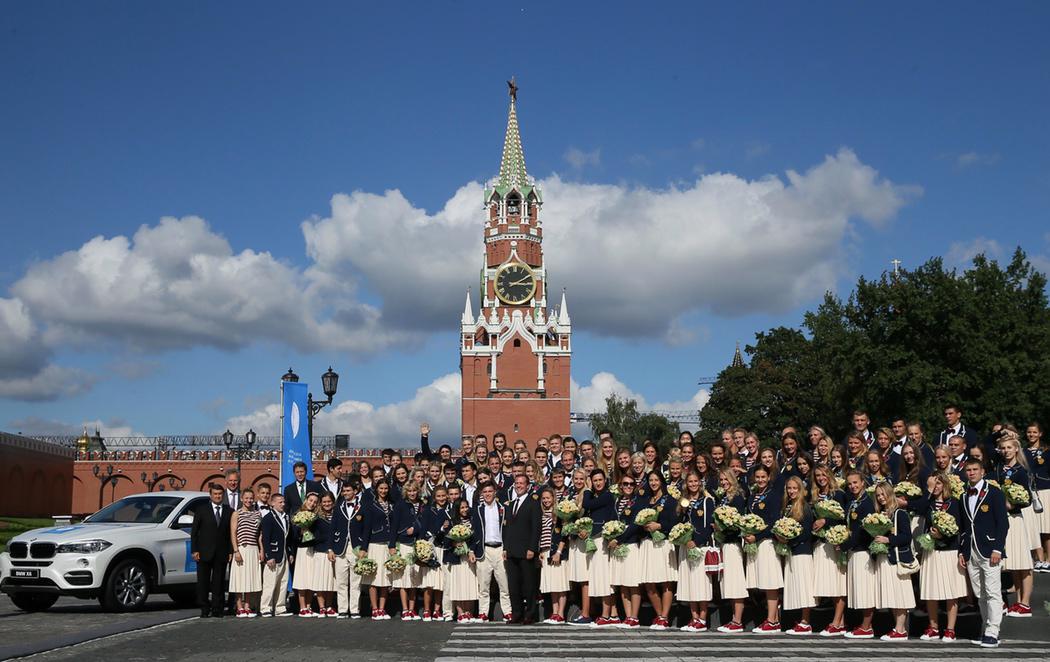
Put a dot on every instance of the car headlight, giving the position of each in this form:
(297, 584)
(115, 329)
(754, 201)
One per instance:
(83, 547)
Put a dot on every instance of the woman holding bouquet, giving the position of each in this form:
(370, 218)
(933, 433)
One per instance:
(379, 513)
(763, 570)
(895, 592)
(463, 575)
(322, 572)
(436, 523)
(656, 553)
(861, 579)
(829, 574)
(798, 567)
(1013, 479)
(697, 508)
(306, 540)
(554, 555)
(733, 583)
(1039, 462)
(579, 559)
(407, 524)
(600, 505)
(912, 469)
(246, 569)
(625, 564)
(940, 576)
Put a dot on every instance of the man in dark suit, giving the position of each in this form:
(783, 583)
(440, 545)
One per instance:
(349, 542)
(276, 540)
(521, 543)
(211, 549)
(953, 417)
(982, 546)
(296, 491)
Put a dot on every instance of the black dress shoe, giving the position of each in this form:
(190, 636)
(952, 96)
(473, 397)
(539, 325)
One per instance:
(205, 613)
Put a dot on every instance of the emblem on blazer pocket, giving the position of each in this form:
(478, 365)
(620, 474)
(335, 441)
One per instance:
(984, 508)
(1008, 482)
(359, 518)
(627, 511)
(1040, 459)
(853, 515)
(762, 506)
(535, 497)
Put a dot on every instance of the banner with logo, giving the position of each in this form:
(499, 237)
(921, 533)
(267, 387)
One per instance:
(295, 436)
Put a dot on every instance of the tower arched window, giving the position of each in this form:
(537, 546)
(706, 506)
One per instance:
(517, 342)
(513, 204)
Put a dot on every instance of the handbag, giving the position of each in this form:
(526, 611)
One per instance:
(712, 560)
(904, 569)
(1037, 503)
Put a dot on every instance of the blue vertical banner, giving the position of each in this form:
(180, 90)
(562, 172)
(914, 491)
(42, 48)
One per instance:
(295, 436)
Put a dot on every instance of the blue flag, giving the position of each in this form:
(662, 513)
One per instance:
(295, 437)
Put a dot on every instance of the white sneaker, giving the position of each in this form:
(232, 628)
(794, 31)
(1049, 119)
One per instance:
(266, 615)
(341, 615)
(355, 616)
(284, 613)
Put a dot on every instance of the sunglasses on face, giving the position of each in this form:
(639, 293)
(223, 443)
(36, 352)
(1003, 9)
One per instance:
(626, 484)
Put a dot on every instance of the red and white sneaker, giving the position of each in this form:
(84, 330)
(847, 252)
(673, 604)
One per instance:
(732, 627)
(893, 635)
(695, 625)
(767, 628)
(383, 616)
(329, 612)
(427, 617)
(860, 633)
(306, 613)
(833, 631)
(801, 629)
(601, 622)
(463, 618)
(630, 624)
(615, 621)
(659, 623)
(949, 637)
(1020, 611)
(375, 614)
(242, 613)
(507, 618)
(931, 634)
(482, 618)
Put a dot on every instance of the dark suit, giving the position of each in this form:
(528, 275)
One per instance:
(521, 535)
(292, 501)
(966, 433)
(211, 540)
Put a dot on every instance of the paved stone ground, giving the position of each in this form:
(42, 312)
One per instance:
(163, 632)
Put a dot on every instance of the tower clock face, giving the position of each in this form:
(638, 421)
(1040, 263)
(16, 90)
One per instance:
(515, 284)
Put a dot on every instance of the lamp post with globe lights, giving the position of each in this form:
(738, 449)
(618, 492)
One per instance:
(239, 448)
(329, 383)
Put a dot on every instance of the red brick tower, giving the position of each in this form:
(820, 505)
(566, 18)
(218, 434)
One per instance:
(514, 357)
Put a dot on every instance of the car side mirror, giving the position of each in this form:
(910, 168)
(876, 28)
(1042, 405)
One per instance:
(184, 520)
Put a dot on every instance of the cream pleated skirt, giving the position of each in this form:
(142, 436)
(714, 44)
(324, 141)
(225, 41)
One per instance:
(1018, 549)
(579, 561)
(1031, 520)
(412, 575)
(798, 582)
(463, 581)
(658, 561)
(694, 584)
(379, 553)
(553, 578)
(829, 577)
(246, 577)
(940, 577)
(894, 592)
(862, 585)
(322, 573)
(763, 569)
(434, 578)
(1044, 517)
(733, 583)
(302, 569)
(599, 574)
(628, 570)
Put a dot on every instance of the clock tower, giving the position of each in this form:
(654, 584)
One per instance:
(514, 355)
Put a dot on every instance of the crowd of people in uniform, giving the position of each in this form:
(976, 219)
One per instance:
(888, 520)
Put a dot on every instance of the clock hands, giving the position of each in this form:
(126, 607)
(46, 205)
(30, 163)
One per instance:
(523, 281)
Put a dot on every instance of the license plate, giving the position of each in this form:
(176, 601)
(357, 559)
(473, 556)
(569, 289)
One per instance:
(25, 574)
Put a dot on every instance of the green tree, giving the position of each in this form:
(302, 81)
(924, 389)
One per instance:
(631, 427)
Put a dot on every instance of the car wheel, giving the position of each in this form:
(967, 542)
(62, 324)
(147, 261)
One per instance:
(33, 601)
(184, 598)
(126, 587)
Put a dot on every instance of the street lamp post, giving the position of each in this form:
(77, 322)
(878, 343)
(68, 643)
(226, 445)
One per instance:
(240, 447)
(150, 481)
(104, 478)
(329, 383)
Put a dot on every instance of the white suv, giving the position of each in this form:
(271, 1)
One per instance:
(119, 555)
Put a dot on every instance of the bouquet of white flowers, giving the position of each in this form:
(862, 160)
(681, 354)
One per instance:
(365, 566)
(1017, 495)
(837, 535)
(787, 529)
(877, 524)
(423, 553)
(582, 528)
(460, 534)
(304, 519)
(614, 528)
(749, 525)
(956, 486)
(829, 509)
(681, 534)
(907, 489)
(673, 490)
(395, 565)
(567, 510)
(726, 519)
(648, 516)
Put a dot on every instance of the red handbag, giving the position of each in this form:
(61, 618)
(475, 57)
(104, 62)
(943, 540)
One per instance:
(713, 561)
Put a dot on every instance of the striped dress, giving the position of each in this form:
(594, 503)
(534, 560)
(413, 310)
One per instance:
(246, 577)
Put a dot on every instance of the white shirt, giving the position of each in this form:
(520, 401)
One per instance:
(233, 499)
(468, 492)
(971, 499)
(332, 487)
(900, 444)
(518, 499)
(492, 530)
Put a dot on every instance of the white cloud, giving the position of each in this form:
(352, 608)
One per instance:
(577, 158)
(969, 159)
(961, 253)
(52, 382)
(35, 426)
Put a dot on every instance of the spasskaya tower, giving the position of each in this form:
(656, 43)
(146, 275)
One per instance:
(514, 354)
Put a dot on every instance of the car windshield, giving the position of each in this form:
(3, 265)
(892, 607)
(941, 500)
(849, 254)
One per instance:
(136, 510)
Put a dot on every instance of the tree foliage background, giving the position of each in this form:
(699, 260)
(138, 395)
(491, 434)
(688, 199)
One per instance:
(902, 346)
(630, 427)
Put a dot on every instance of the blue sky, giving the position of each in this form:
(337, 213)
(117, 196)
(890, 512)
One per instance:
(911, 132)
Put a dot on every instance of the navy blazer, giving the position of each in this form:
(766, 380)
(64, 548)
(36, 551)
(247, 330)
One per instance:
(950, 506)
(766, 505)
(349, 527)
(856, 511)
(986, 527)
(701, 515)
(1039, 462)
(407, 516)
(379, 523)
(900, 538)
(476, 543)
(666, 512)
(321, 530)
(626, 512)
(436, 523)
(276, 539)
(1016, 475)
(292, 502)
(599, 507)
(969, 435)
